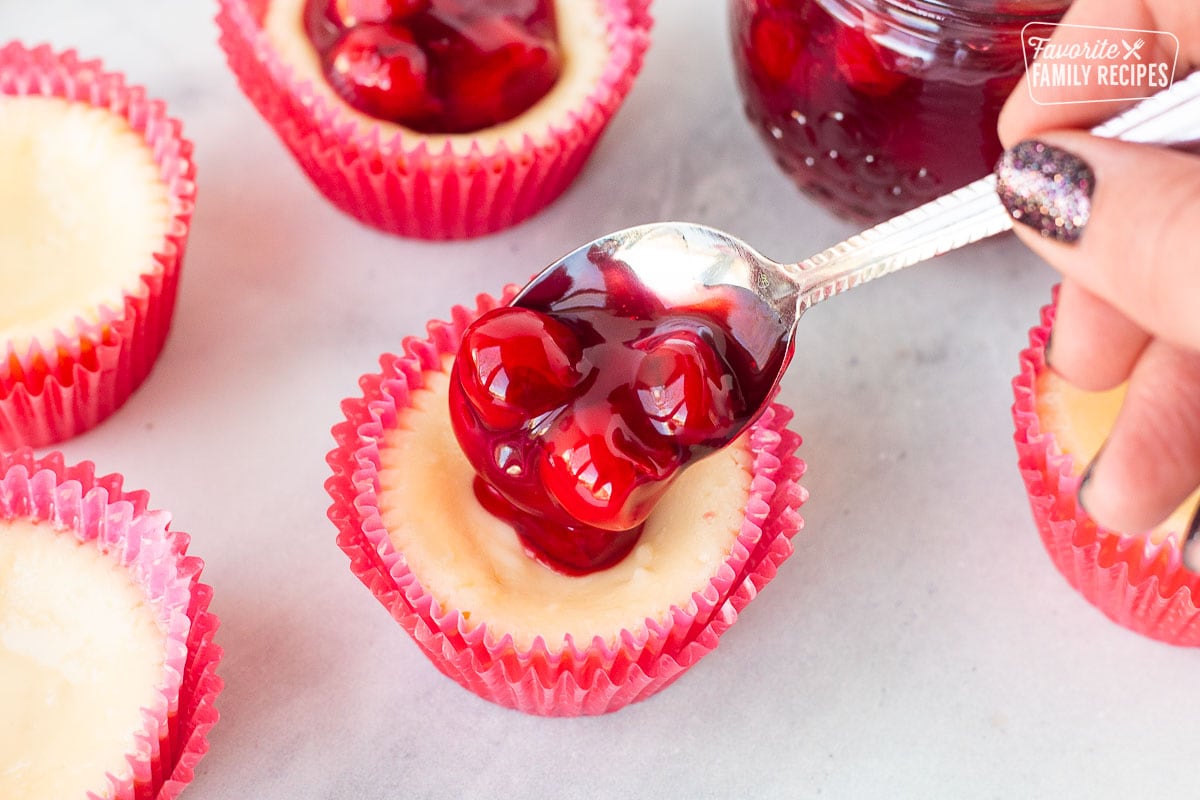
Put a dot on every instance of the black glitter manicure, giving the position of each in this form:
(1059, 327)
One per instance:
(1046, 188)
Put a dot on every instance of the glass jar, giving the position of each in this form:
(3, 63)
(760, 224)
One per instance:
(876, 106)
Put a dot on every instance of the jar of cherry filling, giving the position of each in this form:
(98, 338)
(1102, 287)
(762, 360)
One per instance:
(876, 106)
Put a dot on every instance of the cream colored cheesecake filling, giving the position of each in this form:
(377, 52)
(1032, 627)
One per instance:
(471, 561)
(584, 48)
(81, 653)
(82, 210)
(1081, 421)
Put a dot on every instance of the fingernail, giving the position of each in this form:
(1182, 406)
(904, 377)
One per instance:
(1046, 188)
(1046, 351)
(1085, 481)
(1191, 544)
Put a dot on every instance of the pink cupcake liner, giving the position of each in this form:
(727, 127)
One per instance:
(1142, 586)
(97, 510)
(50, 394)
(565, 678)
(411, 189)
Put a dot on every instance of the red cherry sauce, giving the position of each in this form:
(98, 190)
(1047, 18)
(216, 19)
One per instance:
(579, 407)
(437, 66)
(872, 111)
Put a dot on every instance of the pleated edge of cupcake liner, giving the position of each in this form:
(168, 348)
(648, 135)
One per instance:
(99, 511)
(1138, 584)
(608, 675)
(48, 394)
(411, 189)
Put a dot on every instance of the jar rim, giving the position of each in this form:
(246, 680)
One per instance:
(916, 16)
(978, 11)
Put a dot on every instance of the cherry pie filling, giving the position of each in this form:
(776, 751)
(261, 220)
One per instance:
(437, 66)
(869, 118)
(578, 408)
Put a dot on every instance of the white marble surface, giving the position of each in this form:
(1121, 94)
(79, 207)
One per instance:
(918, 644)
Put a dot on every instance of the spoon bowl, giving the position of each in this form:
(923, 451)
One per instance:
(682, 266)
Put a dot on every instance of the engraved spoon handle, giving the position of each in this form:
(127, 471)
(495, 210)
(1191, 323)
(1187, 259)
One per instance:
(1170, 118)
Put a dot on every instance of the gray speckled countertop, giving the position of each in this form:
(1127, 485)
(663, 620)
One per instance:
(918, 644)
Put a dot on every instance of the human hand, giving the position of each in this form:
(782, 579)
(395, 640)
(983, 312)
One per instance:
(1124, 230)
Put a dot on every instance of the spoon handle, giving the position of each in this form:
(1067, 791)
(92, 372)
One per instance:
(1170, 118)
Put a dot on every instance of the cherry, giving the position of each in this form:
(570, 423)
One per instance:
(596, 471)
(515, 364)
(866, 68)
(571, 549)
(578, 409)
(348, 13)
(326, 21)
(380, 70)
(480, 62)
(494, 85)
(777, 41)
(684, 388)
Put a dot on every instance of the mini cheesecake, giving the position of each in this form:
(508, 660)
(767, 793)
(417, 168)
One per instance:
(423, 183)
(581, 26)
(472, 561)
(107, 660)
(499, 620)
(1136, 578)
(83, 210)
(82, 654)
(95, 209)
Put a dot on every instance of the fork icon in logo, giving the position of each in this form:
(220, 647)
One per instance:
(1133, 49)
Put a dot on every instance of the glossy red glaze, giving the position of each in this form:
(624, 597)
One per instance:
(873, 110)
(480, 62)
(578, 409)
(381, 68)
(522, 364)
(348, 13)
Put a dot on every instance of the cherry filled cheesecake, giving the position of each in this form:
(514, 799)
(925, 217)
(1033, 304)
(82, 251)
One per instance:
(107, 664)
(95, 207)
(437, 118)
(1136, 578)
(628, 566)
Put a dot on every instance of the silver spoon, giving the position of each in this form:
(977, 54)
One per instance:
(679, 262)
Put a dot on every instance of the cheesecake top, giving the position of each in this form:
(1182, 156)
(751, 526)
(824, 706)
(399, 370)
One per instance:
(83, 209)
(582, 36)
(473, 562)
(81, 654)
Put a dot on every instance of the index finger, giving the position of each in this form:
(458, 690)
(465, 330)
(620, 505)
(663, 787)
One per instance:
(1022, 118)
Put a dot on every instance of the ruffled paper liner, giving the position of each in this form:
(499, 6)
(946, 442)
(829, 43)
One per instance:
(549, 678)
(48, 394)
(97, 510)
(403, 186)
(1136, 583)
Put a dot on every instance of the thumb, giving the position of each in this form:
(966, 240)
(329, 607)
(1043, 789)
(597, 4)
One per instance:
(1121, 219)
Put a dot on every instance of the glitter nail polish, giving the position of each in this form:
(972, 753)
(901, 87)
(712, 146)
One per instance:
(1046, 188)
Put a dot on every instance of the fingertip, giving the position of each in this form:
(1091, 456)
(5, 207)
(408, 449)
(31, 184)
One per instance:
(1093, 346)
(1150, 463)
(1125, 510)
